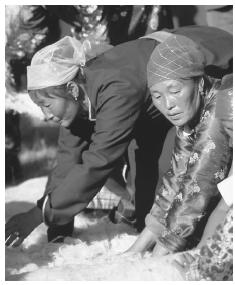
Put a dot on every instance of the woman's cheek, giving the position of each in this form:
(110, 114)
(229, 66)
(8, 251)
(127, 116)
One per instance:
(157, 103)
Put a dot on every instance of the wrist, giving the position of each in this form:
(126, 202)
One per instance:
(145, 241)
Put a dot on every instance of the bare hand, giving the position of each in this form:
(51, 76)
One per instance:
(183, 263)
(21, 225)
(144, 242)
(160, 250)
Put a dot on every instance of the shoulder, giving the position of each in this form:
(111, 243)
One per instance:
(122, 68)
(141, 47)
(125, 56)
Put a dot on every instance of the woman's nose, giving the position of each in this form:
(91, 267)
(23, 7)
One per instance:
(169, 102)
(47, 114)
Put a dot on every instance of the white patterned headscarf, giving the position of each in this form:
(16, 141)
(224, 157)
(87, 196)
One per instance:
(178, 57)
(58, 63)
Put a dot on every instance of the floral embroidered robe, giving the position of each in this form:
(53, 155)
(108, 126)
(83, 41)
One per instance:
(199, 161)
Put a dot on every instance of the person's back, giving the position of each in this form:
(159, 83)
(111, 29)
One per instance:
(123, 64)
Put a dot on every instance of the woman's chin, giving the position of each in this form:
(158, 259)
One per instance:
(177, 123)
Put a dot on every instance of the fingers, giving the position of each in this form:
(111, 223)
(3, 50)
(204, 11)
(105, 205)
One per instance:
(179, 267)
(188, 258)
(128, 254)
(18, 242)
(183, 261)
(177, 264)
(9, 231)
(10, 239)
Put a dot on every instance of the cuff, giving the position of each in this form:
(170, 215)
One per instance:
(171, 241)
(41, 203)
(153, 225)
(57, 216)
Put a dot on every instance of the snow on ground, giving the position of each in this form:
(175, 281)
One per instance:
(93, 253)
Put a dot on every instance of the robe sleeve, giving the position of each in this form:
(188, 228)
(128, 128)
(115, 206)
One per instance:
(171, 183)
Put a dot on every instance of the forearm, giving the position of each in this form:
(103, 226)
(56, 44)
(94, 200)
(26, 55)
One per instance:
(145, 241)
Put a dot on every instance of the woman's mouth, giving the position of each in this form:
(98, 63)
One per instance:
(174, 116)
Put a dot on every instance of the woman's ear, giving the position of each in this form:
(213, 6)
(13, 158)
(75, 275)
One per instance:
(73, 89)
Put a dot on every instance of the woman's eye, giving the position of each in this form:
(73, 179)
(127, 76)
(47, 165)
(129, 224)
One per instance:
(156, 96)
(174, 91)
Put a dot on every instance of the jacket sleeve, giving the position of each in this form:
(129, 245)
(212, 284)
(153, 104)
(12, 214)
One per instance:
(70, 148)
(71, 143)
(118, 108)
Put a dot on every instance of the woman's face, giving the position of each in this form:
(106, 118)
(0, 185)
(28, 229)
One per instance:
(55, 107)
(177, 100)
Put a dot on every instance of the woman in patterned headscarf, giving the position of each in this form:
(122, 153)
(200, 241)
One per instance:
(213, 257)
(186, 96)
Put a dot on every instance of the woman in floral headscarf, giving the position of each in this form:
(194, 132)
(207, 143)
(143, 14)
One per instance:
(186, 96)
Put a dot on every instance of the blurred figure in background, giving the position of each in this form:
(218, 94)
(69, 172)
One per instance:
(220, 16)
(42, 25)
(175, 16)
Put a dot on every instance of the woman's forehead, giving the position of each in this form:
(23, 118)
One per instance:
(47, 93)
(173, 83)
(167, 83)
